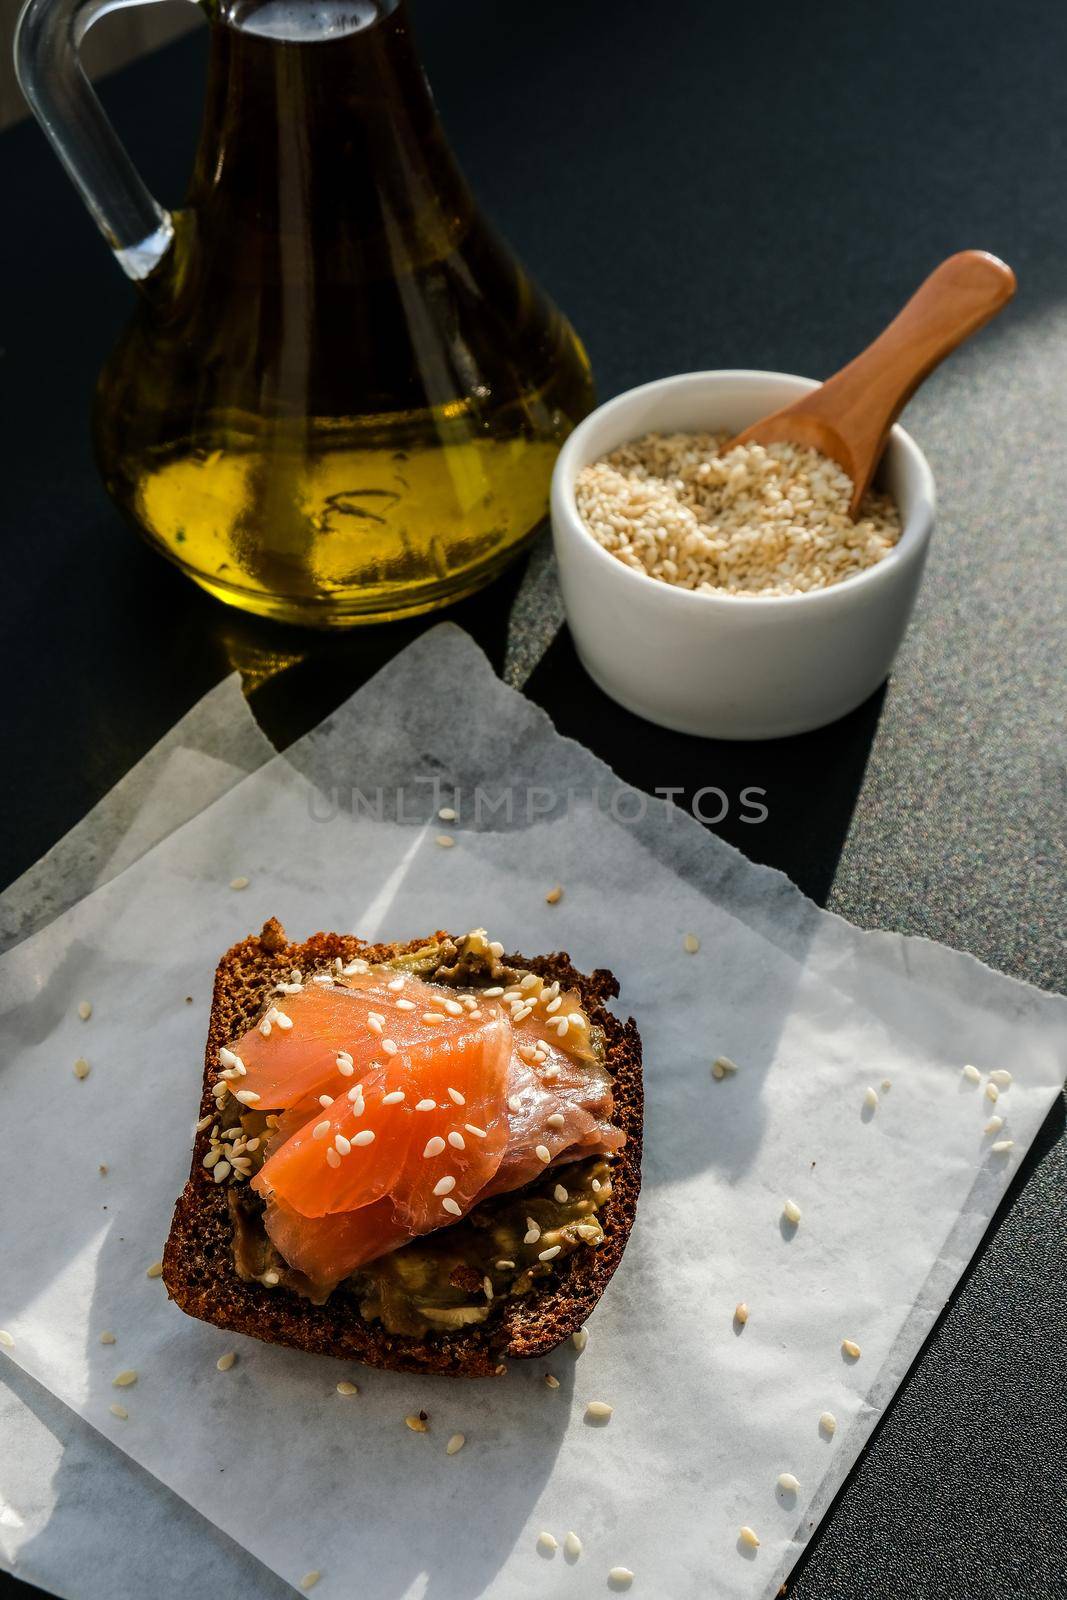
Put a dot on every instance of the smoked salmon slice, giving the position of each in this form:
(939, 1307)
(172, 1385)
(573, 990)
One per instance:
(327, 1249)
(426, 1126)
(396, 1106)
(322, 1039)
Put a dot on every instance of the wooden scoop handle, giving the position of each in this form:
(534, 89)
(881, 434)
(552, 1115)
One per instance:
(959, 297)
(850, 416)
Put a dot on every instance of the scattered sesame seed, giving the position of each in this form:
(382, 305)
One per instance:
(418, 1424)
(107, 1337)
(447, 814)
(721, 1066)
(321, 1129)
(560, 1193)
(478, 1133)
(556, 1120)
(389, 1047)
(554, 896)
(238, 883)
(341, 1144)
(621, 1577)
(503, 1264)
(455, 1096)
(426, 1105)
(230, 1058)
(870, 1099)
(445, 840)
(270, 1278)
(453, 1207)
(332, 1158)
(321, 977)
(572, 1546)
(1001, 1078)
(599, 1411)
(247, 1097)
(85, 1009)
(405, 1005)
(851, 1348)
(992, 1092)
(791, 1211)
(750, 1537)
(155, 1270)
(455, 1444)
(345, 1387)
(393, 1098)
(551, 1253)
(225, 1362)
(81, 1068)
(444, 1185)
(205, 1122)
(221, 1171)
(551, 1382)
(1000, 1147)
(124, 1379)
(788, 1483)
(828, 1422)
(363, 1137)
(972, 1074)
(691, 944)
(496, 948)
(310, 1579)
(345, 1065)
(356, 1097)
(579, 1339)
(994, 1125)
(547, 1542)
(492, 994)
(119, 1411)
(434, 1146)
(430, 1017)
(741, 1313)
(543, 1153)
(282, 1020)
(457, 1141)
(327, 1099)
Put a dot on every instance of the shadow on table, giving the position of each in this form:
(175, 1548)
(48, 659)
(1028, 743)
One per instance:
(807, 785)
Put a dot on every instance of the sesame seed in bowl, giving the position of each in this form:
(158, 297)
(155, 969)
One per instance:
(736, 608)
(757, 520)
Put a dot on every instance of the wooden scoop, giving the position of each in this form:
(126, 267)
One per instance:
(849, 417)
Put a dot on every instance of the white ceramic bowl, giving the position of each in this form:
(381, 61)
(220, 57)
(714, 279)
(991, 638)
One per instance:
(717, 665)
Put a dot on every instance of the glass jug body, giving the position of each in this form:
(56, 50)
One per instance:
(340, 397)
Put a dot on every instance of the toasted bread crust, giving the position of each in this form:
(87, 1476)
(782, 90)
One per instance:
(198, 1267)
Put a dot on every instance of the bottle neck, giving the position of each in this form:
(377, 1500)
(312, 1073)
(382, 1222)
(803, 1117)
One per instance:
(329, 136)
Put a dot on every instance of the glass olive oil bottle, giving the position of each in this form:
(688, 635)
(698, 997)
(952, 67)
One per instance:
(340, 397)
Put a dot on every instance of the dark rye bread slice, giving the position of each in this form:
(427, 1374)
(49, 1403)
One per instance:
(198, 1267)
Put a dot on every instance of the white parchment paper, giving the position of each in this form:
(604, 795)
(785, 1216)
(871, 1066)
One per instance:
(60, 1480)
(706, 1415)
(206, 752)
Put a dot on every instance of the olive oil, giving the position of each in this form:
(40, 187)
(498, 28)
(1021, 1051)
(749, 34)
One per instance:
(341, 397)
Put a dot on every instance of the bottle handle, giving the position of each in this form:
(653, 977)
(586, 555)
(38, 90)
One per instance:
(51, 76)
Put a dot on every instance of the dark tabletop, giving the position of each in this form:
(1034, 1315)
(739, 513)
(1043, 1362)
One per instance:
(698, 185)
